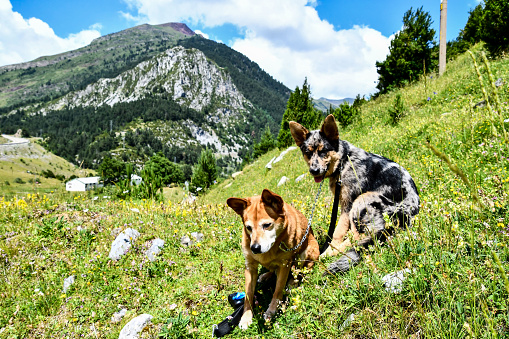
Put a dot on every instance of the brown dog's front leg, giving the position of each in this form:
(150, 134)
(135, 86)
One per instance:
(251, 274)
(339, 236)
(282, 276)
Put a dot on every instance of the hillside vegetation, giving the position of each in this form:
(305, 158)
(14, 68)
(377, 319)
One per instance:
(456, 252)
(29, 168)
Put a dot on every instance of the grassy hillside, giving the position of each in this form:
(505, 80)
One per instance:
(21, 167)
(457, 251)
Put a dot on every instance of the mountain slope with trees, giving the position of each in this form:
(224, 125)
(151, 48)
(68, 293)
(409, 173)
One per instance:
(140, 108)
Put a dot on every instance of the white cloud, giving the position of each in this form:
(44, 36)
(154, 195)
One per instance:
(26, 39)
(205, 35)
(286, 38)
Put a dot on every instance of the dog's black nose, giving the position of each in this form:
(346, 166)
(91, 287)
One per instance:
(256, 248)
(314, 171)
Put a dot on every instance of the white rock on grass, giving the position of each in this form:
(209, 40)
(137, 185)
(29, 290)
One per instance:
(234, 175)
(154, 249)
(133, 328)
(300, 177)
(117, 316)
(186, 241)
(68, 282)
(197, 236)
(393, 282)
(347, 322)
(269, 164)
(282, 181)
(280, 157)
(123, 243)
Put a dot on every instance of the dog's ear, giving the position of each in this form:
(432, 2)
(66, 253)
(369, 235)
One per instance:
(330, 129)
(299, 132)
(273, 200)
(238, 205)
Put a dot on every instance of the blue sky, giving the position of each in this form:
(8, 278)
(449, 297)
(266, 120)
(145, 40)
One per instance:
(333, 43)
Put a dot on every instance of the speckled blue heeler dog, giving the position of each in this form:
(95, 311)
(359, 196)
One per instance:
(371, 186)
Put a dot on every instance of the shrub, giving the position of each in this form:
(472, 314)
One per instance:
(19, 181)
(48, 174)
(345, 114)
(7, 183)
(397, 112)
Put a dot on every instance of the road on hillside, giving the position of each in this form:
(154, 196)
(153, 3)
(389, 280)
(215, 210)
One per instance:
(14, 140)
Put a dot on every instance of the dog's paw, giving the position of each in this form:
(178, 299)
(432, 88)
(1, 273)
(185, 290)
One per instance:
(267, 316)
(265, 277)
(246, 320)
(329, 252)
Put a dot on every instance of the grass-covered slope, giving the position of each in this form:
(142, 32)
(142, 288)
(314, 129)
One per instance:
(456, 252)
(22, 168)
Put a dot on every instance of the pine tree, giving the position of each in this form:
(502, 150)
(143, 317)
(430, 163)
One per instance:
(345, 114)
(168, 171)
(300, 109)
(205, 172)
(267, 143)
(495, 26)
(410, 52)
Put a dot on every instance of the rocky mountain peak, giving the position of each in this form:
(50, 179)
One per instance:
(179, 27)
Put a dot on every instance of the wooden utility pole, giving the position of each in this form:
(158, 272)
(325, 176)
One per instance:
(442, 57)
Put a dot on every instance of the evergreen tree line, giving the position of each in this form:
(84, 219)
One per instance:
(82, 134)
(157, 173)
(488, 22)
(414, 51)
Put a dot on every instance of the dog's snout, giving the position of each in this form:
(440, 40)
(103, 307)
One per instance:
(256, 248)
(314, 171)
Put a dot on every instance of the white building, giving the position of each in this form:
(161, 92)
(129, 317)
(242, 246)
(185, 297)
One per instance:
(83, 184)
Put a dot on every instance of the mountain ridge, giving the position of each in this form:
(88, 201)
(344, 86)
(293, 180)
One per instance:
(225, 101)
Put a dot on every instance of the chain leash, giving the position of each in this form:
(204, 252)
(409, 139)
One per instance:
(307, 229)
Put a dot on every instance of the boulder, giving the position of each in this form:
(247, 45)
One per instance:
(280, 157)
(393, 282)
(197, 236)
(154, 249)
(68, 282)
(269, 164)
(117, 316)
(133, 328)
(185, 241)
(300, 177)
(282, 181)
(123, 243)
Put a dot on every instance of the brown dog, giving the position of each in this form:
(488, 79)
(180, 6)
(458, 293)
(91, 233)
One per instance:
(275, 235)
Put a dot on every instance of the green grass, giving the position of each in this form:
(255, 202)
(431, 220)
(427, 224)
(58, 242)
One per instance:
(457, 250)
(26, 162)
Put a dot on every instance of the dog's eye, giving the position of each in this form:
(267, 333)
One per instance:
(266, 225)
(248, 228)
